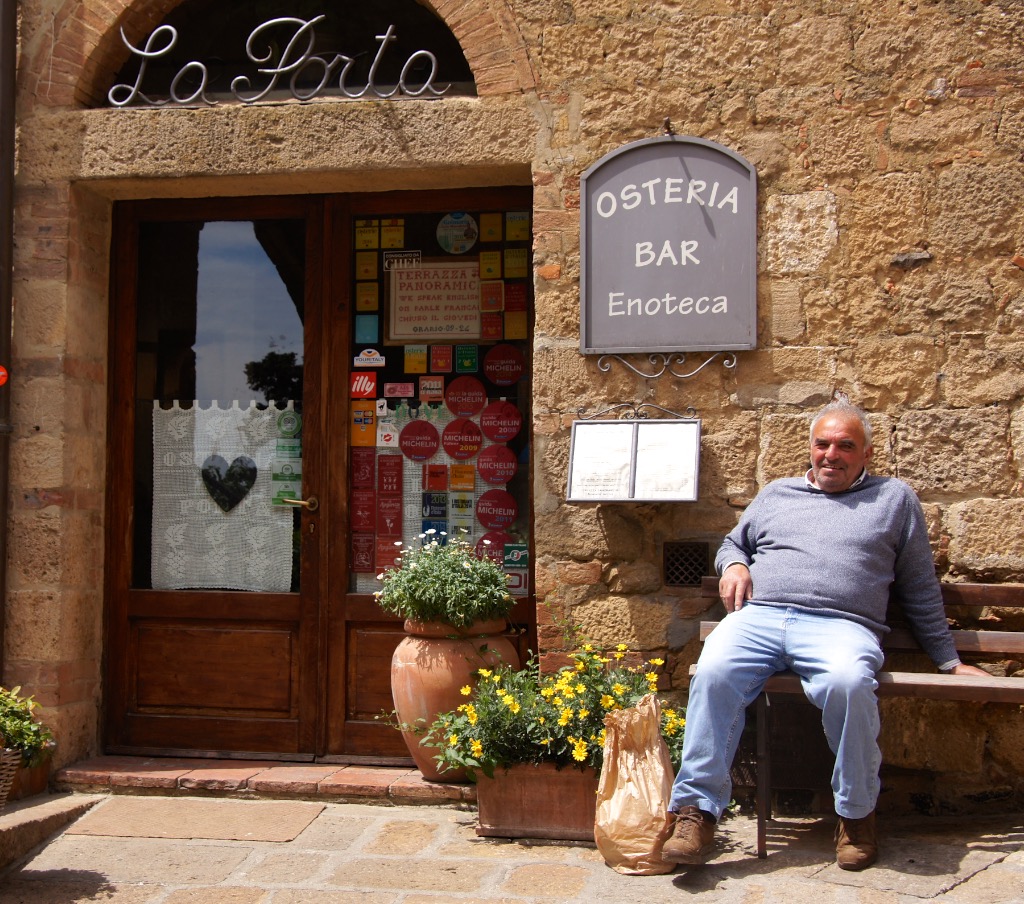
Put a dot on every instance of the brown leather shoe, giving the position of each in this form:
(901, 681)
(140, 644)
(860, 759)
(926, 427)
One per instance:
(692, 838)
(856, 843)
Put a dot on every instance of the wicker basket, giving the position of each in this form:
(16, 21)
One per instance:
(10, 760)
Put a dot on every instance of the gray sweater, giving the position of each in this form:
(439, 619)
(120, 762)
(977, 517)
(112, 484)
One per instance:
(840, 553)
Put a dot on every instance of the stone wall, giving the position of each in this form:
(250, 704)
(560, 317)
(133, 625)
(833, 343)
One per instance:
(887, 137)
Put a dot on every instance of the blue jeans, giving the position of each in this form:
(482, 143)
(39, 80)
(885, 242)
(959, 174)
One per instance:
(836, 660)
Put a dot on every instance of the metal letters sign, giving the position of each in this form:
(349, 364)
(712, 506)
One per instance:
(669, 244)
(282, 49)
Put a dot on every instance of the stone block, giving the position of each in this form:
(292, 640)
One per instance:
(983, 370)
(800, 232)
(972, 206)
(814, 50)
(954, 452)
(898, 372)
(640, 622)
(985, 540)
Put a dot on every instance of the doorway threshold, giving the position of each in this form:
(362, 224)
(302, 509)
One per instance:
(259, 780)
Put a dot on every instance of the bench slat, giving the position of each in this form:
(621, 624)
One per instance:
(923, 686)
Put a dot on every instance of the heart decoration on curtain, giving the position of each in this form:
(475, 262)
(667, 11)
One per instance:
(228, 484)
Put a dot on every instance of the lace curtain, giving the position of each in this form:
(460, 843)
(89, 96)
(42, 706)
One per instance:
(214, 525)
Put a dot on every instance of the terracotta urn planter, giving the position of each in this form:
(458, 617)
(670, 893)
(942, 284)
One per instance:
(429, 668)
(538, 801)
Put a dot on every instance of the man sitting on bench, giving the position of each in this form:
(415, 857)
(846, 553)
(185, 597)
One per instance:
(805, 580)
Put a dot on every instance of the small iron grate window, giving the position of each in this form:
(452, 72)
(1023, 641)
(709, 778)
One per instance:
(684, 564)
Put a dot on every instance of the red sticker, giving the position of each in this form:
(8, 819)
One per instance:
(497, 464)
(419, 440)
(465, 396)
(492, 545)
(496, 509)
(3, 375)
(462, 439)
(501, 421)
(504, 365)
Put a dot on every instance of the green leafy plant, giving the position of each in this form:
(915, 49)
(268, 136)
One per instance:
(447, 582)
(21, 730)
(521, 716)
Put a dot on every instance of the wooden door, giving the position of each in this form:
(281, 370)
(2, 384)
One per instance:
(243, 302)
(213, 582)
(370, 233)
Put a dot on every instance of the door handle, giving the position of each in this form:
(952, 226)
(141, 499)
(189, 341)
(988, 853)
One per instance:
(310, 505)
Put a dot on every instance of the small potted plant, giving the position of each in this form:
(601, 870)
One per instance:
(455, 604)
(535, 742)
(25, 742)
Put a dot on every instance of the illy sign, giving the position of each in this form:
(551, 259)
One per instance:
(669, 239)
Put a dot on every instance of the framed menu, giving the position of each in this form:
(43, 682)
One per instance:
(634, 461)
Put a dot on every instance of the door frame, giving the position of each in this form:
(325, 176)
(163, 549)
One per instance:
(324, 604)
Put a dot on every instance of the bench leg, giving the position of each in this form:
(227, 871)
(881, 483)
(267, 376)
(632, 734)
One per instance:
(764, 769)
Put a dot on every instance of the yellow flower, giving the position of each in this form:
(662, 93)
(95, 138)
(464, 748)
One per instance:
(579, 750)
(657, 662)
(540, 720)
(581, 688)
(466, 690)
(618, 689)
(588, 647)
(651, 676)
(583, 713)
(546, 692)
(477, 748)
(453, 740)
(484, 673)
(622, 647)
(565, 716)
(580, 665)
(607, 701)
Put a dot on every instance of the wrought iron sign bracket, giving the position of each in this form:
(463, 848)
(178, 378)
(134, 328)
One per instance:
(628, 412)
(667, 362)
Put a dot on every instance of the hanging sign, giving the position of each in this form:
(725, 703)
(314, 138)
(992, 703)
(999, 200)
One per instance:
(669, 249)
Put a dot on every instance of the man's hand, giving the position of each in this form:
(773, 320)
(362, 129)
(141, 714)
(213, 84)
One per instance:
(735, 586)
(964, 669)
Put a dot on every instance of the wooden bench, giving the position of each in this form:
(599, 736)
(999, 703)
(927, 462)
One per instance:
(975, 612)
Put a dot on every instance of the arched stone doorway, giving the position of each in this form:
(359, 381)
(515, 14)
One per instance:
(321, 157)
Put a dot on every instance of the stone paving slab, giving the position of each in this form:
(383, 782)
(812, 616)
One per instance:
(374, 854)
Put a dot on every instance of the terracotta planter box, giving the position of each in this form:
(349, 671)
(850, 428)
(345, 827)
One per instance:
(528, 801)
(30, 782)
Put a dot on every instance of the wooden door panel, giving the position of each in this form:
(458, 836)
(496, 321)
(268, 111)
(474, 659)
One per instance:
(216, 669)
(210, 736)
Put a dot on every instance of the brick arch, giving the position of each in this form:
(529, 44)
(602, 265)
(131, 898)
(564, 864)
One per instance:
(72, 65)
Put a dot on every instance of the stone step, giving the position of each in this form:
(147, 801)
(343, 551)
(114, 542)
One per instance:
(252, 779)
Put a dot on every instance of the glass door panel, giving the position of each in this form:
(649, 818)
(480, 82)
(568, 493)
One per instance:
(218, 443)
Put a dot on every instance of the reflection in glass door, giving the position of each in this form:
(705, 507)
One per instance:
(219, 405)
